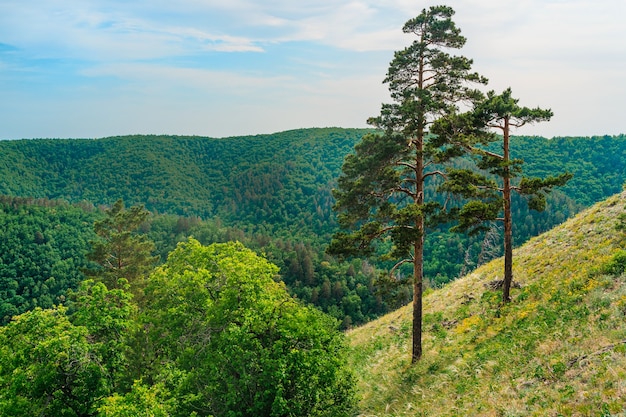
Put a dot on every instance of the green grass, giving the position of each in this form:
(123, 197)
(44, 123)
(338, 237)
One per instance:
(558, 349)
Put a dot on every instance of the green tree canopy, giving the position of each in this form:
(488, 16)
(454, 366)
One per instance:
(57, 364)
(246, 347)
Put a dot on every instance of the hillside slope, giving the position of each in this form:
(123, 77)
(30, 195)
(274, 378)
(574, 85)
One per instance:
(274, 182)
(559, 349)
(280, 179)
(277, 189)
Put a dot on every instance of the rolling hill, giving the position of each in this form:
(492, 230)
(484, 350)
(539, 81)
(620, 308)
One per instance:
(272, 192)
(278, 183)
(558, 349)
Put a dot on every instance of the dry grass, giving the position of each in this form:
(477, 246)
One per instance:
(542, 355)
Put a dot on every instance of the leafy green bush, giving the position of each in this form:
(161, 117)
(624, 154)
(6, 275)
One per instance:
(617, 265)
(53, 363)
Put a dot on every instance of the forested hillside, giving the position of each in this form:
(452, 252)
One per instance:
(598, 163)
(276, 182)
(42, 252)
(271, 192)
(270, 183)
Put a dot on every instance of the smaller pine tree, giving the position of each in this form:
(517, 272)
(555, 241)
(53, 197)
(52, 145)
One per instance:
(120, 252)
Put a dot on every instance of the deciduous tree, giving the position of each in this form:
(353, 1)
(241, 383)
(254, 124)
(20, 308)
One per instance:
(55, 363)
(245, 346)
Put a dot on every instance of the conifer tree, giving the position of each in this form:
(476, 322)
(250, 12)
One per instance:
(120, 251)
(490, 200)
(380, 193)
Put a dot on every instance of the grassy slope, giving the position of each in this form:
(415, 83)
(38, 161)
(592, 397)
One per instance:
(557, 349)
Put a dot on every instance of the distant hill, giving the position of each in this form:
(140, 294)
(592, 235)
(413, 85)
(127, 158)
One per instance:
(280, 181)
(273, 183)
(558, 349)
(271, 192)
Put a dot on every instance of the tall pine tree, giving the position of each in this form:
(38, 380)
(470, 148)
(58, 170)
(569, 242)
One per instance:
(380, 193)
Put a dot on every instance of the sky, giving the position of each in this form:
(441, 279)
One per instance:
(219, 68)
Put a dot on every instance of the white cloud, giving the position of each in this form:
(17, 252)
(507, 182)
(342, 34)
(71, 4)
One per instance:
(123, 30)
(169, 78)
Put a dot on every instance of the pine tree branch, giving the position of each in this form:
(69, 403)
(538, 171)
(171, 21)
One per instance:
(406, 165)
(433, 173)
(398, 265)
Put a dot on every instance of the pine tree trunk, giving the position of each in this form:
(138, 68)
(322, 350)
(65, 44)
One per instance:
(418, 280)
(418, 255)
(508, 223)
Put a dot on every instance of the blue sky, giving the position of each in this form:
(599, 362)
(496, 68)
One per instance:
(96, 68)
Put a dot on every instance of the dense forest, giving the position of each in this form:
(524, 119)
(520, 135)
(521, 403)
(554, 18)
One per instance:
(42, 252)
(214, 334)
(276, 182)
(279, 183)
(270, 192)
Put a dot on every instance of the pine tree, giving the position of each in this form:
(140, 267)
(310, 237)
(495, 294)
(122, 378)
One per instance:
(490, 200)
(120, 252)
(380, 193)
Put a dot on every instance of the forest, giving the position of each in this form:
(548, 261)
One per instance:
(51, 201)
(212, 333)
(196, 276)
